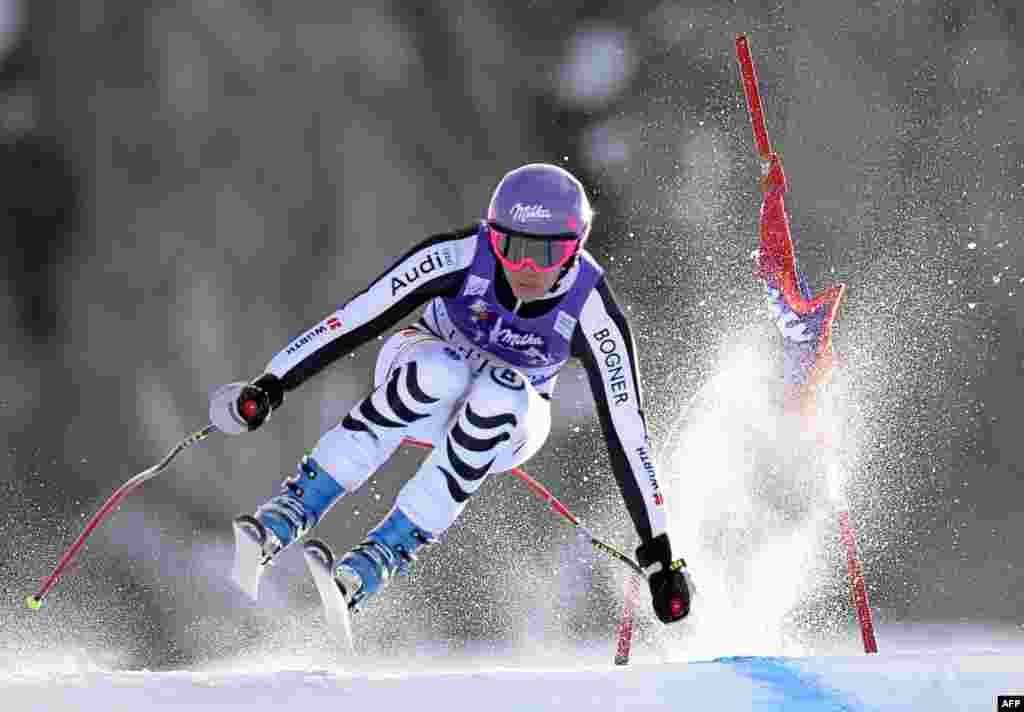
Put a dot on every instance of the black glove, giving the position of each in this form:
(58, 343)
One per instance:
(258, 399)
(670, 593)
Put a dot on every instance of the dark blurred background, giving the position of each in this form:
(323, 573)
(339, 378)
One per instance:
(187, 187)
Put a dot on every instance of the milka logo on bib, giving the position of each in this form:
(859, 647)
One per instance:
(531, 346)
(526, 213)
(516, 340)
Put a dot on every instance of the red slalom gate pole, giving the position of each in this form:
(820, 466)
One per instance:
(780, 239)
(754, 108)
(779, 236)
(858, 589)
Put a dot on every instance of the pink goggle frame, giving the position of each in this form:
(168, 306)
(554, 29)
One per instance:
(544, 264)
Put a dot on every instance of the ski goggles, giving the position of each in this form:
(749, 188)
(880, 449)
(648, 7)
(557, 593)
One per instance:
(517, 251)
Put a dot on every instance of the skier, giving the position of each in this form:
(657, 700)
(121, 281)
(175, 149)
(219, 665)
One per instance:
(508, 301)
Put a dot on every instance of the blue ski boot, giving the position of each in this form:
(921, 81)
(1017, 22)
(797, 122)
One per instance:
(389, 549)
(304, 499)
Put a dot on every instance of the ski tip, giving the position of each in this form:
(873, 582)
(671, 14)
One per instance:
(315, 547)
(32, 602)
(252, 525)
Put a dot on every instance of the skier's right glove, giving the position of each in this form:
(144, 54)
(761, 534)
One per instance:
(670, 591)
(238, 408)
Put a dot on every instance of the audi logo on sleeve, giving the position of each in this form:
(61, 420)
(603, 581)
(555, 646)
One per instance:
(439, 259)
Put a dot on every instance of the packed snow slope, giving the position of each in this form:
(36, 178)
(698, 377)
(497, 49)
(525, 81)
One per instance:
(897, 681)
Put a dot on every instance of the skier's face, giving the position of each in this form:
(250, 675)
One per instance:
(527, 284)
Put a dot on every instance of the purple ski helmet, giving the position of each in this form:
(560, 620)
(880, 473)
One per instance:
(541, 200)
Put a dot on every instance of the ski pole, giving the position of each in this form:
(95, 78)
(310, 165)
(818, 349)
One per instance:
(637, 574)
(567, 516)
(35, 600)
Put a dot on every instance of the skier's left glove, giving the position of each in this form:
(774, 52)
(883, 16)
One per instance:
(238, 408)
(670, 590)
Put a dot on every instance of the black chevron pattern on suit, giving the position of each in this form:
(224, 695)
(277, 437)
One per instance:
(458, 435)
(397, 406)
(454, 489)
(485, 422)
(370, 412)
(469, 442)
(464, 469)
(350, 423)
(413, 384)
(404, 414)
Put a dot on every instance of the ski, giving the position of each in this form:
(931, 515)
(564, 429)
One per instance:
(250, 556)
(320, 561)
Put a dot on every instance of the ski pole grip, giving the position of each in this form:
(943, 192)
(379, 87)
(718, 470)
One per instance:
(250, 409)
(258, 399)
(253, 406)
